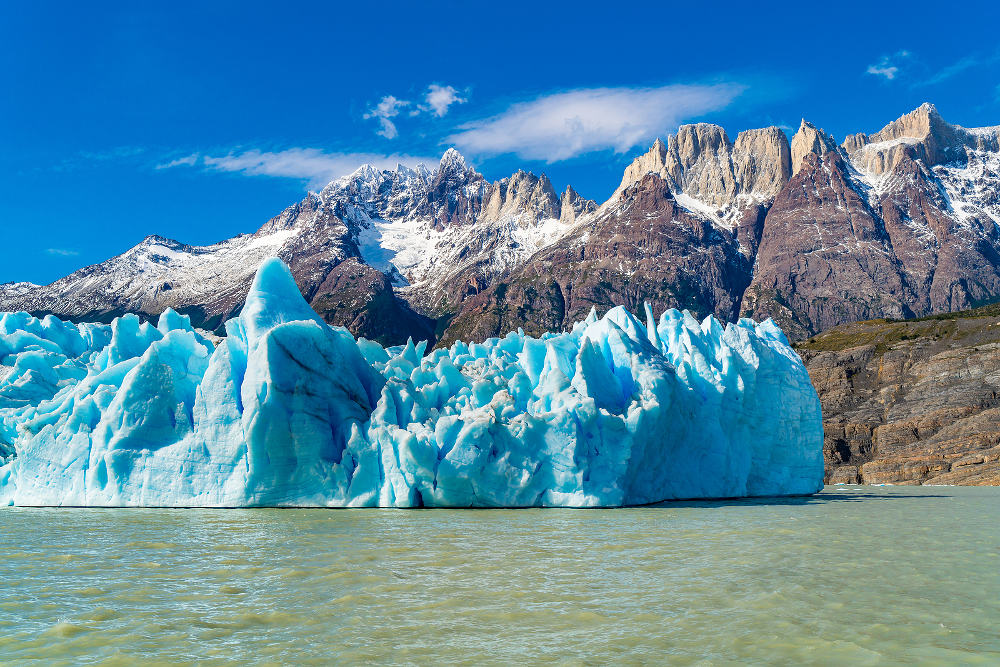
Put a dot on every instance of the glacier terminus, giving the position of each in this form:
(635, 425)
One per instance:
(286, 410)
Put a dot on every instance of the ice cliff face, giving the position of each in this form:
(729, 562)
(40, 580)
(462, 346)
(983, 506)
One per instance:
(286, 410)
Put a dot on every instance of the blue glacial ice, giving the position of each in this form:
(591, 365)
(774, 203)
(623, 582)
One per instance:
(288, 411)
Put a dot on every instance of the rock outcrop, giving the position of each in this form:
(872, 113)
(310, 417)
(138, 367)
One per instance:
(824, 256)
(762, 162)
(883, 230)
(914, 402)
(809, 140)
(921, 135)
(702, 163)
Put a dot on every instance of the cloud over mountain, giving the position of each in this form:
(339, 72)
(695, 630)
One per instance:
(309, 164)
(439, 98)
(387, 108)
(563, 125)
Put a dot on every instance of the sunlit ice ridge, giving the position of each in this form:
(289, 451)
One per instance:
(286, 410)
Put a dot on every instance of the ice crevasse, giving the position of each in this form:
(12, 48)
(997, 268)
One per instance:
(289, 411)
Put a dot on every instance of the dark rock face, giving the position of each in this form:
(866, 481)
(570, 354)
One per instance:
(914, 402)
(824, 257)
(447, 199)
(355, 296)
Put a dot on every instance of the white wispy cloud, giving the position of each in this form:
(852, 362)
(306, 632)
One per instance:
(439, 98)
(957, 67)
(387, 108)
(62, 252)
(920, 74)
(186, 161)
(563, 125)
(312, 165)
(888, 66)
(883, 68)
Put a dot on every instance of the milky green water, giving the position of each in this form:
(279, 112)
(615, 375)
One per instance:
(855, 575)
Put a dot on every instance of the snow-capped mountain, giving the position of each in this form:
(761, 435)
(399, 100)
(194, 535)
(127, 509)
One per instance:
(361, 250)
(903, 222)
(421, 228)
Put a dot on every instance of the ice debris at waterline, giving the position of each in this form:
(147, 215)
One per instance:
(287, 410)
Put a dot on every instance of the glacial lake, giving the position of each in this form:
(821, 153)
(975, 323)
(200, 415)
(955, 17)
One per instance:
(854, 575)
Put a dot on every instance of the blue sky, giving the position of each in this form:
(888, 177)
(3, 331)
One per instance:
(199, 121)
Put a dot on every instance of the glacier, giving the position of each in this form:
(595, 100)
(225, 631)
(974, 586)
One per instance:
(286, 410)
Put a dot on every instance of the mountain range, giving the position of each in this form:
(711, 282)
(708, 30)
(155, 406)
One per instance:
(901, 223)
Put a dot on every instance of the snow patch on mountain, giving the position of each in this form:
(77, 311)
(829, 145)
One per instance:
(973, 187)
(151, 276)
(420, 227)
(404, 248)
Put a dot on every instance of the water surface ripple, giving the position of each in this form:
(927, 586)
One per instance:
(855, 575)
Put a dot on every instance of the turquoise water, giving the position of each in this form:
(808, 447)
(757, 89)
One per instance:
(855, 575)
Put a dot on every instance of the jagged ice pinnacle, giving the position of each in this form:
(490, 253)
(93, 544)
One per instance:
(289, 411)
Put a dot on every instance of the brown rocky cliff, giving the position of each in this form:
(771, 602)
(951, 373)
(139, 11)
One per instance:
(921, 134)
(915, 402)
(809, 140)
(702, 162)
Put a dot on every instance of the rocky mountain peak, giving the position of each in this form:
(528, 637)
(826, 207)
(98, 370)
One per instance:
(762, 161)
(452, 162)
(701, 162)
(651, 162)
(156, 239)
(922, 122)
(158, 247)
(572, 205)
(810, 139)
(453, 169)
(696, 139)
(921, 134)
(544, 189)
(522, 195)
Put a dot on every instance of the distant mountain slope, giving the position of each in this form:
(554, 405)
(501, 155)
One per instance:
(904, 222)
(899, 224)
(914, 402)
(360, 250)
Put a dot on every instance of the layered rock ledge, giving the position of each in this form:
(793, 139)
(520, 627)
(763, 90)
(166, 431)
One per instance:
(911, 402)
